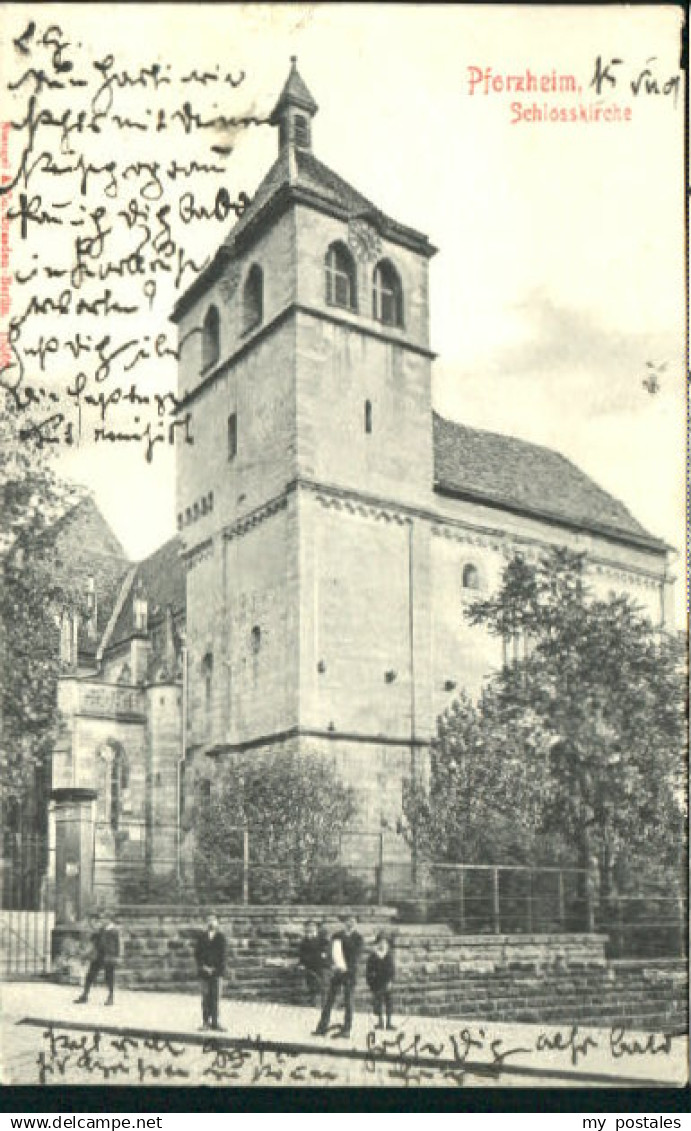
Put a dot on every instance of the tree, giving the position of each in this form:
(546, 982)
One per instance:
(482, 803)
(293, 809)
(33, 596)
(577, 744)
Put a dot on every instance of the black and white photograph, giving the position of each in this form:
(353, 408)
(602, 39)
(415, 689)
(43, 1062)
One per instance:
(343, 379)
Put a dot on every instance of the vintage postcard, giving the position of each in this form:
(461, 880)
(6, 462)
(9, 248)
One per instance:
(343, 393)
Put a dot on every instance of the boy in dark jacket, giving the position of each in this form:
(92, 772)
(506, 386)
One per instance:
(105, 943)
(379, 973)
(210, 955)
(314, 961)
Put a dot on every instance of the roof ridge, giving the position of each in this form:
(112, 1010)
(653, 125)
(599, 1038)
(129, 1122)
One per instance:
(125, 589)
(577, 498)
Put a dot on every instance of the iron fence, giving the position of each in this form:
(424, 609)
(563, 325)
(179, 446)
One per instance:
(27, 905)
(135, 864)
(649, 924)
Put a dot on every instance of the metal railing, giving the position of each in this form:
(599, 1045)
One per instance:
(649, 924)
(498, 898)
(140, 866)
(27, 914)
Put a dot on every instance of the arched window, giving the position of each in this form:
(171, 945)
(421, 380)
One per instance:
(387, 294)
(471, 576)
(208, 675)
(232, 435)
(203, 798)
(368, 417)
(119, 782)
(341, 286)
(211, 338)
(253, 299)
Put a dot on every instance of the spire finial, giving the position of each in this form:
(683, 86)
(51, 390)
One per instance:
(293, 111)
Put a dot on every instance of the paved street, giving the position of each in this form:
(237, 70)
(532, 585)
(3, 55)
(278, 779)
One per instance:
(154, 1038)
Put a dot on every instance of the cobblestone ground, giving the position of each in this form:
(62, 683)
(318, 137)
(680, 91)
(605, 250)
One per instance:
(152, 1038)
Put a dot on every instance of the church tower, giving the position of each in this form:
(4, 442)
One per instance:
(305, 365)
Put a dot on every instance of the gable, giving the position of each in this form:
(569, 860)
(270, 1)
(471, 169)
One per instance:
(161, 577)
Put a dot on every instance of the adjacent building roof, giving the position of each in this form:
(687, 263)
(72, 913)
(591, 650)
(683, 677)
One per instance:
(512, 474)
(161, 578)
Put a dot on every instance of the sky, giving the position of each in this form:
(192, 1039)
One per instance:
(560, 273)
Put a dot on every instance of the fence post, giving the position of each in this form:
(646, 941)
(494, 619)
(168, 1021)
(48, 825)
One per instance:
(496, 921)
(589, 901)
(380, 872)
(620, 928)
(245, 865)
(461, 893)
(561, 910)
(530, 901)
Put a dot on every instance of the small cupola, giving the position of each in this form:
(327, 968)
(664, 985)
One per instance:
(293, 113)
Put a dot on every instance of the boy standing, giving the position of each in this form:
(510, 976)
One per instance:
(210, 954)
(345, 953)
(105, 943)
(313, 960)
(379, 973)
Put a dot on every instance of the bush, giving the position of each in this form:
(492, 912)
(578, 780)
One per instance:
(294, 808)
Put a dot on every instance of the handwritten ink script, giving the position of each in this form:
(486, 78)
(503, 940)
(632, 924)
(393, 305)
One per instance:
(644, 80)
(470, 1055)
(96, 1057)
(116, 190)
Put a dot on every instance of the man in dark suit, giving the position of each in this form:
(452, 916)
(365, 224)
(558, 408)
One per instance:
(210, 955)
(314, 960)
(346, 946)
(105, 943)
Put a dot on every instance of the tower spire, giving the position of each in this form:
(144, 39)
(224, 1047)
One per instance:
(293, 112)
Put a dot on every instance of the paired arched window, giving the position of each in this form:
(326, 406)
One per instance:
(341, 280)
(211, 338)
(387, 294)
(253, 299)
(470, 576)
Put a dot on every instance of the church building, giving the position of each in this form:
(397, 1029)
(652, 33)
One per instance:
(331, 526)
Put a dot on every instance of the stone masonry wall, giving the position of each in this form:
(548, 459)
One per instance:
(555, 978)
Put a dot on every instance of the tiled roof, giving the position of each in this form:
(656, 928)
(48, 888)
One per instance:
(162, 579)
(297, 174)
(295, 91)
(503, 471)
(325, 187)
